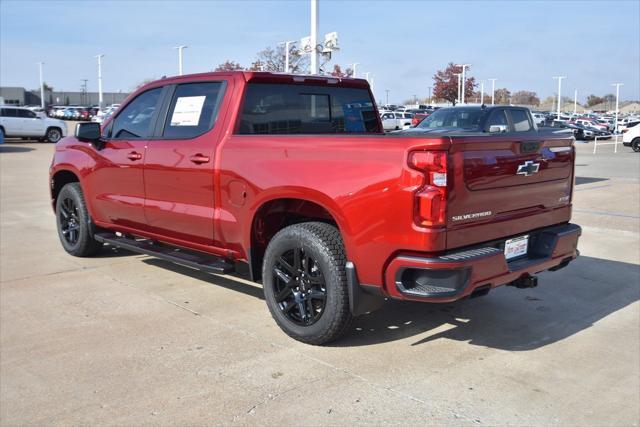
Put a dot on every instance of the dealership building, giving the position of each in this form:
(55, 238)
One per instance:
(22, 96)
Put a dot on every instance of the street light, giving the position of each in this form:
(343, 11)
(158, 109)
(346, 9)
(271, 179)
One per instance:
(387, 90)
(464, 67)
(575, 101)
(617, 85)
(180, 49)
(459, 79)
(353, 67)
(482, 92)
(493, 91)
(559, 90)
(314, 36)
(286, 54)
(40, 64)
(99, 80)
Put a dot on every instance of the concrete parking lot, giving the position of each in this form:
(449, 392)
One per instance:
(125, 339)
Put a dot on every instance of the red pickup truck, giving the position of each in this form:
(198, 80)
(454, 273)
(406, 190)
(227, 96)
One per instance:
(293, 176)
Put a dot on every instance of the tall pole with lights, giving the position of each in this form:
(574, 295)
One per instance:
(314, 36)
(99, 80)
(40, 64)
(559, 92)
(617, 85)
(493, 91)
(463, 78)
(180, 49)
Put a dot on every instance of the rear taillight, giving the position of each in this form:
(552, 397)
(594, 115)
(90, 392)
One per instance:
(431, 198)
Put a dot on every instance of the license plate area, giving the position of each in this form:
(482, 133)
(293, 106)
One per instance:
(516, 247)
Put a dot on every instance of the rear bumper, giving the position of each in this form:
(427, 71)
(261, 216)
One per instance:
(458, 274)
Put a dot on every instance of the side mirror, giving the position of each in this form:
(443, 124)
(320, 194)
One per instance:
(497, 128)
(89, 132)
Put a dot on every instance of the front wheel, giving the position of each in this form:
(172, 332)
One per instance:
(53, 135)
(305, 282)
(635, 144)
(75, 228)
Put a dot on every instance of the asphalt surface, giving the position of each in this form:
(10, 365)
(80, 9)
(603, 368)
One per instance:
(124, 339)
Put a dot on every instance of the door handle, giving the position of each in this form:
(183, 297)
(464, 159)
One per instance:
(134, 156)
(199, 159)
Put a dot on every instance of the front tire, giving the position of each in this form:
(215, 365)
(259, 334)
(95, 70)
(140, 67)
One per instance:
(305, 282)
(53, 135)
(635, 144)
(75, 228)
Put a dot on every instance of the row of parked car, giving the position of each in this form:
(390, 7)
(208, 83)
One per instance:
(78, 112)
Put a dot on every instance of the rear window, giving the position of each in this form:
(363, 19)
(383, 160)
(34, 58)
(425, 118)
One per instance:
(305, 109)
(453, 118)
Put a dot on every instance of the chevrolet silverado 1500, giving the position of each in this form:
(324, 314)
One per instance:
(293, 176)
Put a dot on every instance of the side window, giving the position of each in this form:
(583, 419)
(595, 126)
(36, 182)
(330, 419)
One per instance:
(498, 117)
(26, 114)
(520, 120)
(193, 109)
(9, 112)
(135, 120)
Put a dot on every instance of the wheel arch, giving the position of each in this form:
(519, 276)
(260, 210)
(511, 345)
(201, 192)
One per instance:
(274, 214)
(61, 178)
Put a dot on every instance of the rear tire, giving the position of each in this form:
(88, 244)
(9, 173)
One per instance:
(75, 228)
(635, 144)
(305, 282)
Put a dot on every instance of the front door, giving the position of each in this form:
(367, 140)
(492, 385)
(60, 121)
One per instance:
(117, 182)
(179, 163)
(32, 124)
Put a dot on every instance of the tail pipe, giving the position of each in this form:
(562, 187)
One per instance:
(525, 281)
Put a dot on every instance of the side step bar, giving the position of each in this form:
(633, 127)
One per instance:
(209, 263)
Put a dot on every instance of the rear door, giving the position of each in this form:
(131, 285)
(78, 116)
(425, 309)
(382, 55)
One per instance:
(179, 165)
(11, 122)
(500, 178)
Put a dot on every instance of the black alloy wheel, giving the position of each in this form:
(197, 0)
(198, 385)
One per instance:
(299, 287)
(69, 220)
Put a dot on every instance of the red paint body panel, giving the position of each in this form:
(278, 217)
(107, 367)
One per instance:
(363, 181)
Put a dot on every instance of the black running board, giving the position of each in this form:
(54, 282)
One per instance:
(209, 263)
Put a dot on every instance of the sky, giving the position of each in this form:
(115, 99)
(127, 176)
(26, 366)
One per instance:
(402, 43)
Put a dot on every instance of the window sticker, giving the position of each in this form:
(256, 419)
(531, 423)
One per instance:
(187, 111)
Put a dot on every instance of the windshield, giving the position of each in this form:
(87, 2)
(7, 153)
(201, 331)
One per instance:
(453, 118)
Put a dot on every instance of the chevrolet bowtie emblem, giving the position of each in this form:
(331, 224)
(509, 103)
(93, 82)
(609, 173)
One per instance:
(528, 168)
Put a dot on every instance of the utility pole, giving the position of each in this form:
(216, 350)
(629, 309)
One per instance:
(353, 67)
(286, 54)
(559, 94)
(99, 80)
(459, 75)
(617, 85)
(314, 36)
(387, 90)
(575, 101)
(493, 91)
(464, 67)
(180, 49)
(40, 64)
(482, 92)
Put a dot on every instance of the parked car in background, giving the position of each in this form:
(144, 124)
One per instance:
(419, 115)
(538, 118)
(396, 120)
(24, 123)
(101, 116)
(631, 138)
(590, 123)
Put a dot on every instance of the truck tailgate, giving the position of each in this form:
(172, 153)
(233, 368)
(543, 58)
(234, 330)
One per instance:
(505, 185)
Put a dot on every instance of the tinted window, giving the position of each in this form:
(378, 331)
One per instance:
(498, 117)
(135, 120)
(453, 118)
(291, 109)
(520, 120)
(9, 112)
(193, 109)
(26, 114)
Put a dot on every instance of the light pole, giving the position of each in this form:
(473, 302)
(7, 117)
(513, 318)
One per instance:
(559, 94)
(387, 90)
(286, 54)
(353, 67)
(482, 92)
(99, 80)
(575, 101)
(314, 36)
(40, 64)
(180, 49)
(464, 67)
(617, 85)
(459, 75)
(493, 91)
